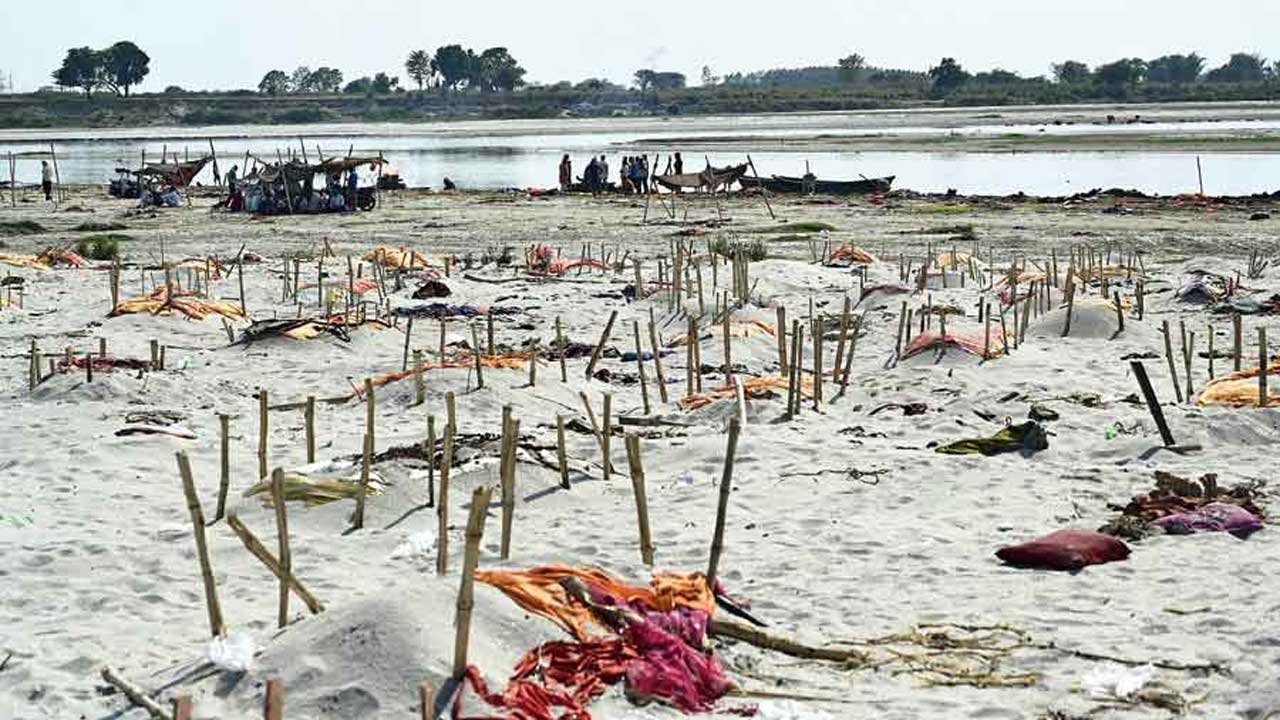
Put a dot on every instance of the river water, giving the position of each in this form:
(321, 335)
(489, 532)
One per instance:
(525, 153)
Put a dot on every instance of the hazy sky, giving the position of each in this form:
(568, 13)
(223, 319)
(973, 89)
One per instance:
(231, 43)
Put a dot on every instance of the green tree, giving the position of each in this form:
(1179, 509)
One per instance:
(495, 69)
(947, 76)
(851, 68)
(1071, 72)
(644, 79)
(454, 65)
(124, 65)
(384, 84)
(996, 76)
(275, 82)
(359, 86)
(668, 81)
(709, 78)
(1175, 69)
(1122, 75)
(419, 67)
(1241, 68)
(299, 79)
(324, 80)
(81, 68)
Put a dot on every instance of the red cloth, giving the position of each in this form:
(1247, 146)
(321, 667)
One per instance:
(1065, 550)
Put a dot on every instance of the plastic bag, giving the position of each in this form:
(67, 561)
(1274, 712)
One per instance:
(1117, 681)
(234, 653)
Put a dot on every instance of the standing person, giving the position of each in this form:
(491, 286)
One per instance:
(624, 176)
(679, 165)
(46, 179)
(591, 176)
(566, 173)
(231, 179)
(604, 172)
(353, 179)
(644, 174)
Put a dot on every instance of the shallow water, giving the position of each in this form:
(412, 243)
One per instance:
(525, 153)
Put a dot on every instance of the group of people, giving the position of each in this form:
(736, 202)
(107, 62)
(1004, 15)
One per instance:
(633, 176)
(277, 198)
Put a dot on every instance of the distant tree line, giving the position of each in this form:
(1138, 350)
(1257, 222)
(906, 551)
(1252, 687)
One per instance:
(117, 68)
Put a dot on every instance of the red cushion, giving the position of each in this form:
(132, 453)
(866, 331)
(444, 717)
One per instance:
(1065, 550)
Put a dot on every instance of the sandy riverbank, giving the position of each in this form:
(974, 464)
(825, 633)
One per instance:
(99, 564)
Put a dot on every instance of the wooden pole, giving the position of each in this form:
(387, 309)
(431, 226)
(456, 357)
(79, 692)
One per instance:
(1173, 368)
(1153, 405)
(728, 345)
(606, 435)
(564, 373)
(644, 384)
(1188, 352)
(561, 454)
(466, 591)
(431, 460)
(475, 352)
(844, 333)
(57, 176)
(764, 193)
(492, 347)
(366, 462)
(309, 419)
(442, 503)
(282, 535)
(604, 338)
(273, 702)
(217, 627)
(642, 500)
(1237, 340)
(506, 478)
(224, 475)
(722, 507)
(1263, 363)
(260, 551)
(262, 432)
(657, 359)
(408, 335)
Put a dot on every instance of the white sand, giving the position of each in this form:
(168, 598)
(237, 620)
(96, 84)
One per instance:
(98, 563)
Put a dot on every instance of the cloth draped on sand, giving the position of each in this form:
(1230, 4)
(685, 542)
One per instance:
(753, 389)
(974, 342)
(1027, 436)
(737, 329)
(396, 258)
(495, 362)
(1240, 389)
(542, 260)
(852, 254)
(45, 260)
(658, 650)
(163, 302)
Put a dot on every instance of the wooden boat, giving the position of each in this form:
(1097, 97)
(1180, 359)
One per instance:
(812, 185)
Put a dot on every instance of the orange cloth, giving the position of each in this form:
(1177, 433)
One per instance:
(754, 388)
(972, 341)
(852, 253)
(395, 257)
(1240, 389)
(538, 591)
(161, 302)
(495, 362)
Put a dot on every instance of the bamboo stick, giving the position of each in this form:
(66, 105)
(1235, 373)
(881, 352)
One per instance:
(781, 333)
(659, 378)
(644, 384)
(366, 460)
(1173, 368)
(260, 551)
(262, 433)
(1153, 405)
(606, 435)
(564, 373)
(561, 455)
(505, 478)
(419, 381)
(604, 338)
(728, 346)
(309, 420)
(844, 332)
(217, 627)
(273, 702)
(431, 460)
(442, 504)
(224, 475)
(135, 694)
(466, 591)
(722, 506)
(370, 409)
(282, 536)
(1263, 363)
(642, 501)
(1237, 340)
(475, 351)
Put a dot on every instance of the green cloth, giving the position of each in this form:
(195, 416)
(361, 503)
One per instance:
(1028, 436)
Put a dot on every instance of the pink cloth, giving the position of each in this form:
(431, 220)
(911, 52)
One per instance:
(1214, 517)
(670, 670)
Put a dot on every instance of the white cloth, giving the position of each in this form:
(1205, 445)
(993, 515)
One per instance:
(46, 173)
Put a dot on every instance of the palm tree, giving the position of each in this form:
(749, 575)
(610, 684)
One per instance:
(419, 67)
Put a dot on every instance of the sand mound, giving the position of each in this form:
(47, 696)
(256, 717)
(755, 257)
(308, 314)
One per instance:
(367, 659)
(1090, 319)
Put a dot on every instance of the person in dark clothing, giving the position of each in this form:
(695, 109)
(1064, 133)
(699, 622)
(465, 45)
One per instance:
(46, 179)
